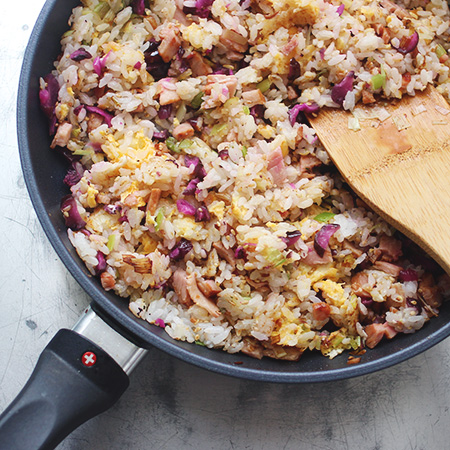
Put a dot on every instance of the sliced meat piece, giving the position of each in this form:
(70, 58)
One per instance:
(321, 311)
(153, 200)
(375, 333)
(356, 251)
(226, 253)
(168, 91)
(170, 43)
(183, 131)
(208, 287)
(367, 97)
(390, 247)
(276, 166)
(389, 268)
(62, 135)
(253, 97)
(282, 352)
(94, 121)
(382, 32)
(234, 41)
(392, 8)
(198, 65)
(313, 259)
(180, 16)
(199, 299)
(179, 284)
(290, 46)
(308, 162)
(107, 280)
(389, 332)
(229, 81)
(252, 348)
(360, 284)
(429, 291)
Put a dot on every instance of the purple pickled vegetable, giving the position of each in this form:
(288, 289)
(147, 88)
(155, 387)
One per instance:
(191, 187)
(341, 89)
(80, 55)
(309, 108)
(340, 9)
(323, 236)
(367, 302)
(257, 111)
(48, 98)
(105, 114)
(223, 154)
(101, 266)
(138, 65)
(100, 64)
(165, 111)
(240, 253)
(186, 208)
(181, 250)
(408, 45)
(202, 8)
(156, 67)
(291, 237)
(78, 109)
(138, 7)
(71, 214)
(294, 70)
(161, 135)
(202, 214)
(220, 70)
(113, 209)
(199, 170)
(408, 275)
(74, 174)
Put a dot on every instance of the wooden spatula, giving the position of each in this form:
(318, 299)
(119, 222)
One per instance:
(399, 166)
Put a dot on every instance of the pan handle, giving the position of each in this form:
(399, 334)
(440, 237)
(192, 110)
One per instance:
(73, 381)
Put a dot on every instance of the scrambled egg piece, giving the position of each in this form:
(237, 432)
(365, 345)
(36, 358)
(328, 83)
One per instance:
(140, 149)
(290, 13)
(332, 291)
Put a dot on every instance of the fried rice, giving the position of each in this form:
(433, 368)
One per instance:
(198, 190)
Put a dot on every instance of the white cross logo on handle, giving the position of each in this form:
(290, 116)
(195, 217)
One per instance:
(89, 359)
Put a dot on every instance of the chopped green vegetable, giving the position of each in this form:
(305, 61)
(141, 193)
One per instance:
(379, 80)
(76, 132)
(172, 144)
(111, 242)
(246, 110)
(184, 144)
(81, 152)
(324, 217)
(244, 151)
(264, 85)
(218, 129)
(101, 9)
(275, 257)
(159, 218)
(200, 343)
(440, 51)
(181, 112)
(197, 101)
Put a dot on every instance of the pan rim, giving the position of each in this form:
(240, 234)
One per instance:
(128, 324)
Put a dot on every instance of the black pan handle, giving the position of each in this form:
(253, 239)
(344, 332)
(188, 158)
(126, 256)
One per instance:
(73, 381)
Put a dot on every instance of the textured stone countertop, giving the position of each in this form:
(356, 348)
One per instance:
(170, 404)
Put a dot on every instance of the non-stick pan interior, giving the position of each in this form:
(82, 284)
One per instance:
(44, 171)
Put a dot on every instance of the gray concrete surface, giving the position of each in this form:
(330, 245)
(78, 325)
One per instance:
(171, 405)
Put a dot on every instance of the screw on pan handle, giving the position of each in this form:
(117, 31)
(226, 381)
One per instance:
(73, 381)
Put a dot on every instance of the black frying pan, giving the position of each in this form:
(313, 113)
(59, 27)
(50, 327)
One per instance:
(63, 391)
